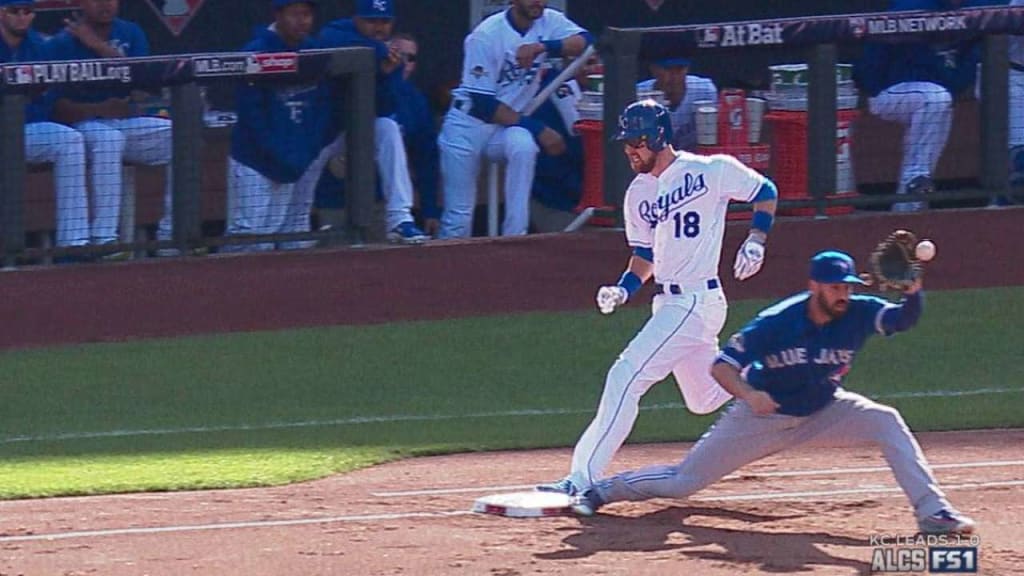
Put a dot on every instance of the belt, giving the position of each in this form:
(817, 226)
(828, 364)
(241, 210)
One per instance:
(1017, 67)
(462, 104)
(676, 289)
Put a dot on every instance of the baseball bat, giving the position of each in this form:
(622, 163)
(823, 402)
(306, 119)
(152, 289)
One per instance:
(564, 75)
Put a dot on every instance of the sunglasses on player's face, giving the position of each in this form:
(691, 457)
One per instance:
(409, 57)
(19, 10)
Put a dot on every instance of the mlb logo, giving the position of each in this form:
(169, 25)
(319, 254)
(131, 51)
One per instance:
(711, 36)
(858, 27)
(23, 74)
(953, 560)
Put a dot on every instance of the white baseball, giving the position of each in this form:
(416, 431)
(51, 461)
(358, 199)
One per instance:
(925, 250)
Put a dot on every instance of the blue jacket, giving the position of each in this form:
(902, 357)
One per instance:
(952, 65)
(420, 131)
(125, 36)
(343, 34)
(558, 180)
(281, 128)
(32, 49)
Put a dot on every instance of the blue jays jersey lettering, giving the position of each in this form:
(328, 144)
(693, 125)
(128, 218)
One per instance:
(799, 364)
(681, 213)
(490, 66)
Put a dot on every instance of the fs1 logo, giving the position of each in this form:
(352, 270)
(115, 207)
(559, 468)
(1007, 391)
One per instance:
(961, 560)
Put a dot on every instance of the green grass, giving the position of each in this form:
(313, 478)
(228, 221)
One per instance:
(270, 408)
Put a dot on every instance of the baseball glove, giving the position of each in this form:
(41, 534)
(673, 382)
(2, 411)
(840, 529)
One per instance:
(893, 264)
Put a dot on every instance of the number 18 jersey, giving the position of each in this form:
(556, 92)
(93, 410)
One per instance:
(680, 214)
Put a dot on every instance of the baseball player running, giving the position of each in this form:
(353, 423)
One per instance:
(674, 212)
(785, 368)
(500, 75)
(48, 141)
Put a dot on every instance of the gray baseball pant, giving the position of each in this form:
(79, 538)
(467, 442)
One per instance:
(740, 437)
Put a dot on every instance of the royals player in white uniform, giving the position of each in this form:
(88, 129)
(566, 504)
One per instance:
(504, 56)
(674, 213)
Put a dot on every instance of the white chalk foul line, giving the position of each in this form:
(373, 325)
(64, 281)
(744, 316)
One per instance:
(230, 525)
(849, 491)
(882, 490)
(358, 420)
(778, 474)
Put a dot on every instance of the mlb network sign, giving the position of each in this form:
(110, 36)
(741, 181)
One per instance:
(936, 560)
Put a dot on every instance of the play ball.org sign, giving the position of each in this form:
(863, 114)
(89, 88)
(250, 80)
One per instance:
(175, 14)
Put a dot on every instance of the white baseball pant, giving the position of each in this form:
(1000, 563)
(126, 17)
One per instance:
(926, 112)
(65, 148)
(462, 141)
(681, 338)
(393, 168)
(258, 205)
(108, 143)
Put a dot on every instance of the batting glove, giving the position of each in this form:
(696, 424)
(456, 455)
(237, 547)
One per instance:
(749, 258)
(611, 297)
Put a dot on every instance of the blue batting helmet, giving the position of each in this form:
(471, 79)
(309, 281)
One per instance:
(648, 121)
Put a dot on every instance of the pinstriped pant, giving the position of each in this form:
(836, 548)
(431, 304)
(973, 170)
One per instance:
(740, 437)
(926, 112)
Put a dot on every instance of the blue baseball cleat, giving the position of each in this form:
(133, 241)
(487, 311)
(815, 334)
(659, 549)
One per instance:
(563, 486)
(587, 503)
(407, 233)
(946, 521)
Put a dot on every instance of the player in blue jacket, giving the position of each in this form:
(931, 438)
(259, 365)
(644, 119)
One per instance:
(107, 116)
(277, 146)
(419, 129)
(915, 84)
(48, 141)
(558, 179)
(372, 27)
(785, 369)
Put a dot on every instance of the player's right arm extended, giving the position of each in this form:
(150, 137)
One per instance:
(729, 378)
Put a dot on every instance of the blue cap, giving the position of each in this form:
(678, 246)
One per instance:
(673, 62)
(15, 2)
(278, 4)
(382, 9)
(834, 267)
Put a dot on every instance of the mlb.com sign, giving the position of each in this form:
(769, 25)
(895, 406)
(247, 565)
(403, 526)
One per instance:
(916, 24)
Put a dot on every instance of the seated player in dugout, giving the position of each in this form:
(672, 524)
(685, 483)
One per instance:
(108, 116)
(682, 91)
(280, 144)
(558, 179)
(419, 130)
(48, 141)
(372, 27)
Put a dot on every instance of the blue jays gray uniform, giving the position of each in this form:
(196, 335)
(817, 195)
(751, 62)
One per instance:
(800, 364)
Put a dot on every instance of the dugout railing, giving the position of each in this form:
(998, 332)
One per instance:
(820, 39)
(352, 68)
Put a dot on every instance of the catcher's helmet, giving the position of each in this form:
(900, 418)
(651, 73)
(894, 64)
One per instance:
(648, 121)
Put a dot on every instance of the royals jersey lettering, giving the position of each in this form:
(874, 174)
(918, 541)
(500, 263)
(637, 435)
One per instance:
(490, 65)
(681, 213)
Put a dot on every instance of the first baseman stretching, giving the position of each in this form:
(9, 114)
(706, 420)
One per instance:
(674, 213)
(785, 368)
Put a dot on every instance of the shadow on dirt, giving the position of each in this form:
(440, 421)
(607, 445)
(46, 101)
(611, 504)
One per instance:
(680, 528)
